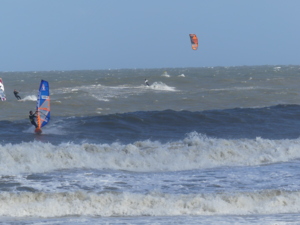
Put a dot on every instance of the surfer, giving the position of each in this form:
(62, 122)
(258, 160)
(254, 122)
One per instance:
(146, 82)
(32, 117)
(16, 93)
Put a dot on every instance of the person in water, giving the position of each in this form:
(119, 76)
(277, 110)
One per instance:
(146, 82)
(16, 93)
(32, 117)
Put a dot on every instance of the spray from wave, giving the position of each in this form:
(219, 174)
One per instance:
(29, 98)
(161, 87)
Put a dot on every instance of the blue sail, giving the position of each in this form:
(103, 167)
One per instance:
(43, 104)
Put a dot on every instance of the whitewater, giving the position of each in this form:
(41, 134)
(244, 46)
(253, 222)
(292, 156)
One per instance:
(211, 145)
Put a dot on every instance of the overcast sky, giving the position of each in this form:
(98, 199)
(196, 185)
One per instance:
(42, 35)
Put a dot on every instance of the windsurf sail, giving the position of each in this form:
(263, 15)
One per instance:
(194, 41)
(2, 93)
(43, 105)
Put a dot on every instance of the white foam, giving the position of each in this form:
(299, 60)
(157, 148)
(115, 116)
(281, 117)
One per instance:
(152, 204)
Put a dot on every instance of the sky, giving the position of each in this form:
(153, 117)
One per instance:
(44, 35)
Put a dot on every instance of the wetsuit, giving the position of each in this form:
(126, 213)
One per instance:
(32, 120)
(17, 96)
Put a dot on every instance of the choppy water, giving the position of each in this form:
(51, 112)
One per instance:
(199, 146)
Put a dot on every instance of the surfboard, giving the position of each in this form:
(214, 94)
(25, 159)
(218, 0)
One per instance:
(43, 106)
(2, 93)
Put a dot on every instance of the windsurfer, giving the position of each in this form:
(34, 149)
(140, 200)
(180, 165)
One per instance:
(32, 117)
(16, 93)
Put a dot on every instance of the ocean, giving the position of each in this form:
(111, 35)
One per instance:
(209, 145)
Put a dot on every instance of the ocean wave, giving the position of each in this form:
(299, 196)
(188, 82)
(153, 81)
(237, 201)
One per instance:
(196, 151)
(239, 88)
(110, 204)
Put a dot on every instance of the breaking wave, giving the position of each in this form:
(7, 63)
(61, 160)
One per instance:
(153, 204)
(196, 151)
